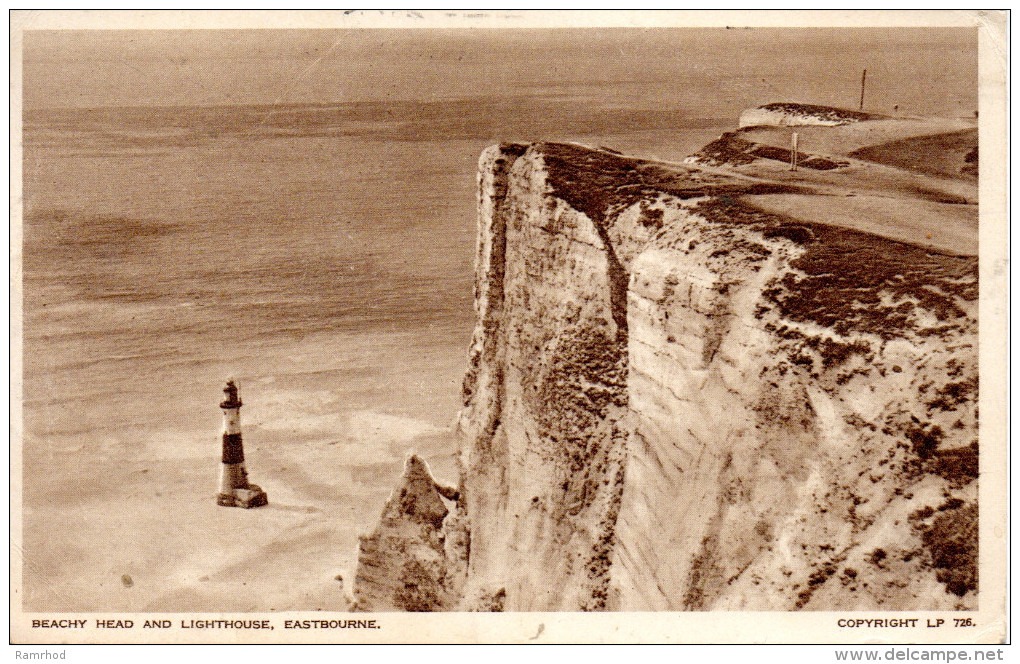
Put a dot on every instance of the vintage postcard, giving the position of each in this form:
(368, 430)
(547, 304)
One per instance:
(508, 327)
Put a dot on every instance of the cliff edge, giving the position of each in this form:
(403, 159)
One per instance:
(716, 385)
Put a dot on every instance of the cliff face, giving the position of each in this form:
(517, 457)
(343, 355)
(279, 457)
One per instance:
(677, 399)
(545, 394)
(788, 385)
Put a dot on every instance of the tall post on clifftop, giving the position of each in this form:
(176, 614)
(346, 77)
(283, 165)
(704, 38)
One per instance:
(235, 491)
(864, 77)
(793, 152)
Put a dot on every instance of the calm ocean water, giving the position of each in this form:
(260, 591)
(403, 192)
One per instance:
(168, 248)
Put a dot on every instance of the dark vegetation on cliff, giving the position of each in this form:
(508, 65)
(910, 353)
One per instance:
(851, 281)
(830, 113)
(732, 150)
(596, 182)
(951, 543)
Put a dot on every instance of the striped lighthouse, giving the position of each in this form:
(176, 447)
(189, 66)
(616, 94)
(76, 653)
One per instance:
(235, 491)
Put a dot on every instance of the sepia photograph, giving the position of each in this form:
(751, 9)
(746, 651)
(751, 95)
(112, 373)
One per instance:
(327, 322)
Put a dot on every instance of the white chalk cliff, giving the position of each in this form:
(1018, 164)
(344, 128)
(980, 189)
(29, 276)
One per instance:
(702, 387)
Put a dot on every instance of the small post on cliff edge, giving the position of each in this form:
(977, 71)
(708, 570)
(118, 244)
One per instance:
(864, 77)
(793, 153)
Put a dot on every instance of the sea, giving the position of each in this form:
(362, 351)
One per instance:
(322, 250)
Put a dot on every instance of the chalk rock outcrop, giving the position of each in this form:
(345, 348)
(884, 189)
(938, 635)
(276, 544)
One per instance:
(402, 565)
(678, 400)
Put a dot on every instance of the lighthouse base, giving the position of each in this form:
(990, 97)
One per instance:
(253, 496)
